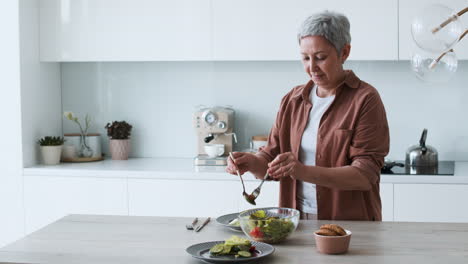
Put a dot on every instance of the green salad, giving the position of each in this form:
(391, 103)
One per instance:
(269, 229)
(236, 246)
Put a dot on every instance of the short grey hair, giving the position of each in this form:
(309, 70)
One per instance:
(331, 25)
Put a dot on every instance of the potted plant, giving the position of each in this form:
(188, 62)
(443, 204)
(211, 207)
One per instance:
(51, 149)
(119, 135)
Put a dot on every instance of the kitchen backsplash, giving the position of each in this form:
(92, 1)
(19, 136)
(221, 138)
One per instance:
(159, 98)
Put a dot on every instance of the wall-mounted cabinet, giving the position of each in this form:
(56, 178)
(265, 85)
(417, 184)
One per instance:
(136, 30)
(407, 12)
(198, 30)
(267, 29)
(193, 30)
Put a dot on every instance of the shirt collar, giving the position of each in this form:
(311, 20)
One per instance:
(351, 81)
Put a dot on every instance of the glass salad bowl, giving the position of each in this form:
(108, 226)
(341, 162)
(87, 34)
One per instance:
(270, 225)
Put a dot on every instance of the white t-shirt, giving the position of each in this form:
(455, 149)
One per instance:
(306, 192)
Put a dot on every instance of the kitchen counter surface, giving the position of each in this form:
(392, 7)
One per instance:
(183, 169)
(89, 239)
(154, 168)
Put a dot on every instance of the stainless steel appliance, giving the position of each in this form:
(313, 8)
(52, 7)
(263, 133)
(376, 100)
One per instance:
(397, 167)
(422, 157)
(214, 125)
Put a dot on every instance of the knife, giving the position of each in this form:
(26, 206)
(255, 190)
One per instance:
(202, 225)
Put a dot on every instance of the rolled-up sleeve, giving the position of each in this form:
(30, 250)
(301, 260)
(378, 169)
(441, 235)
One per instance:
(371, 139)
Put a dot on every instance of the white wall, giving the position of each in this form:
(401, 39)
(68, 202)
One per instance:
(31, 107)
(11, 220)
(158, 98)
(40, 87)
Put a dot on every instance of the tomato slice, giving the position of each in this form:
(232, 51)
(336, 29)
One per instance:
(255, 232)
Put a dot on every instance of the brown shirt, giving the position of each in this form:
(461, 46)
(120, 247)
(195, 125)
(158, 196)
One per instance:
(353, 134)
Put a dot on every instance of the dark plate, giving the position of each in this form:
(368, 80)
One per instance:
(226, 219)
(202, 251)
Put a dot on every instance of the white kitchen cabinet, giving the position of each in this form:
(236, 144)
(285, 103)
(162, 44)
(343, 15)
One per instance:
(47, 199)
(408, 10)
(190, 198)
(123, 30)
(267, 29)
(386, 196)
(431, 202)
(158, 30)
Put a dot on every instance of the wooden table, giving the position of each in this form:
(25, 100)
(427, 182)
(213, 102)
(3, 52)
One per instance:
(131, 239)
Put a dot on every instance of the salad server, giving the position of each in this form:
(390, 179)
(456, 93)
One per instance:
(248, 197)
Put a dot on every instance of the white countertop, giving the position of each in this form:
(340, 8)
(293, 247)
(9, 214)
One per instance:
(153, 168)
(183, 169)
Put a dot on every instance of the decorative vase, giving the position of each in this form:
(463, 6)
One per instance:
(93, 141)
(51, 154)
(119, 148)
(84, 150)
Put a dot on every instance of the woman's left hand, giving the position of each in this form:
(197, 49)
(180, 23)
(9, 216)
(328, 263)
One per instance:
(284, 165)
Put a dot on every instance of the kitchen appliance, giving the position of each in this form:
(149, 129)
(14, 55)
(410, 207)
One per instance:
(390, 164)
(214, 125)
(397, 167)
(422, 158)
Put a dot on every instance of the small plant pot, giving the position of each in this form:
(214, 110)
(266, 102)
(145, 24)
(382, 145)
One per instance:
(51, 154)
(119, 148)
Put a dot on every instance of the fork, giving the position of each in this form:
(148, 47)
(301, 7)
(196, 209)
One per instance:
(256, 191)
(192, 225)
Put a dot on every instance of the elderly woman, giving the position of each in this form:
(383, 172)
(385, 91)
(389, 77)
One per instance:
(330, 136)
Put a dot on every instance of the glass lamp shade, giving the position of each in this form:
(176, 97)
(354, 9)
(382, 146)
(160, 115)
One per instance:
(431, 17)
(426, 68)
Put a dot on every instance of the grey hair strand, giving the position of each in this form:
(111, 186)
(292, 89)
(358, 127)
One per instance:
(333, 26)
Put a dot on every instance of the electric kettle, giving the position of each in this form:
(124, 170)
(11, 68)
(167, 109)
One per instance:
(421, 158)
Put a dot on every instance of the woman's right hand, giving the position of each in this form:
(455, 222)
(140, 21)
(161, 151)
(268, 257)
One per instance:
(243, 161)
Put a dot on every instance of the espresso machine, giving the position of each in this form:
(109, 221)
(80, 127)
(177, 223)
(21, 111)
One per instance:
(214, 128)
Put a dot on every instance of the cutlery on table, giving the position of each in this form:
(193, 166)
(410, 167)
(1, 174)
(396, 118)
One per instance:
(203, 225)
(192, 225)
